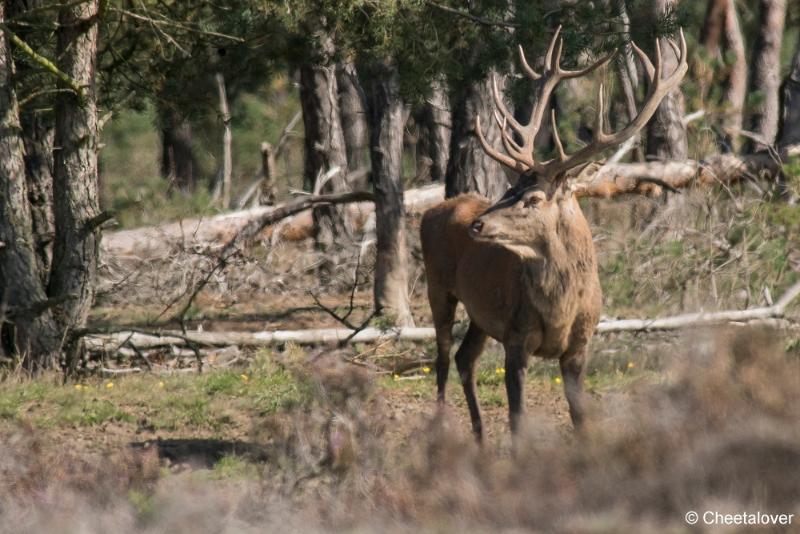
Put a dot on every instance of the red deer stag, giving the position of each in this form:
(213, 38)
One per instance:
(524, 268)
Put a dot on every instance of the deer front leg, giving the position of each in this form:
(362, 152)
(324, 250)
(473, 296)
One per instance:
(443, 309)
(467, 354)
(516, 370)
(573, 371)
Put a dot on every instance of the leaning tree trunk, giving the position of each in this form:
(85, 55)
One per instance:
(666, 133)
(627, 72)
(25, 331)
(790, 113)
(435, 127)
(325, 153)
(765, 76)
(75, 189)
(353, 113)
(469, 168)
(388, 115)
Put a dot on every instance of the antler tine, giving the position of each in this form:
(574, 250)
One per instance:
(548, 58)
(501, 106)
(526, 67)
(646, 63)
(562, 156)
(657, 74)
(567, 74)
(512, 147)
(495, 154)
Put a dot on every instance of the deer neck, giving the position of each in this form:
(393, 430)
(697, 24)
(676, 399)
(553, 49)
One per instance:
(557, 276)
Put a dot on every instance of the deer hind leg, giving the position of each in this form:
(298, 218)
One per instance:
(443, 308)
(573, 371)
(467, 355)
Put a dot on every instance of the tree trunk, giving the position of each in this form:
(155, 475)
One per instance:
(666, 133)
(177, 155)
(75, 189)
(469, 168)
(790, 113)
(387, 121)
(435, 127)
(352, 109)
(37, 135)
(765, 76)
(24, 331)
(627, 72)
(324, 139)
(227, 142)
(722, 37)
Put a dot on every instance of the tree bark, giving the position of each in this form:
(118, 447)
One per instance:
(353, 112)
(178, 162)
(722, 37)
(75, 187)
(666, 133)
(37, 135)
(324, 139)
(24, 331)
(790, 113)
(435, 127)
(765, 76)
(227, 142)
(469, 169)
(627, 72)
(387, 120)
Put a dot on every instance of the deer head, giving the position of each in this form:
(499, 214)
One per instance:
(530, 212)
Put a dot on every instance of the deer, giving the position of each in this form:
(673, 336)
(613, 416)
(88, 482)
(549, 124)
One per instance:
(524, 267)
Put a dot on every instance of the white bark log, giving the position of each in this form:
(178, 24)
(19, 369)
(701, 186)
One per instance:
(142, 340)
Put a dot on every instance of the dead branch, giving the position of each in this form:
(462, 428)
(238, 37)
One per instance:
(144, 339)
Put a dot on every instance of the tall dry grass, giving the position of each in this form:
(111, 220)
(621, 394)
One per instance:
(720, 431)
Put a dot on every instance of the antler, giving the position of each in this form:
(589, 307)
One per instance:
(521, 157)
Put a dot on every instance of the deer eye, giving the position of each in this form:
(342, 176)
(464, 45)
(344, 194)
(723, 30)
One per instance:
(532, 201)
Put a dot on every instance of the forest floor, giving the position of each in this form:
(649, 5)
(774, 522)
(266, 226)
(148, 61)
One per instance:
(301, 439)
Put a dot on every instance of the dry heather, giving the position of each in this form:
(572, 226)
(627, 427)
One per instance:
(720, 431)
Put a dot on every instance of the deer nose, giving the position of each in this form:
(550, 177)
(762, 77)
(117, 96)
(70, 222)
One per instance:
(476, 227)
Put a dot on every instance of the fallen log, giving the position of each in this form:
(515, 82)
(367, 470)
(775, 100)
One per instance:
(149, 340)
(159, 241)
(606, 181)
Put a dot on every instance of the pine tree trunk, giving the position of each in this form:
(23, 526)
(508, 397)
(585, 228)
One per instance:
(227, 142)
(765, 76)
(352, 109)
(434, 122)
(387, 121)
(75, 187)
(469, 168)
(177, 155)
(790, 113)
(324, 140)
(24, 332)
(666, 133)
(37, 135)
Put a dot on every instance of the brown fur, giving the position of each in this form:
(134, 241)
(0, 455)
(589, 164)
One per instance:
(528, 279)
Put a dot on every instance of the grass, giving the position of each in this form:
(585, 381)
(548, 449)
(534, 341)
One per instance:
(215, 401)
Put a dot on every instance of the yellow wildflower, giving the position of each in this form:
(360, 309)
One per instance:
(161, 384)
(557, 380)
(500, 371)
(109, 385)
(631, 365)
(245, 378)
(426, 370)
(79, 386)
(395, 376)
